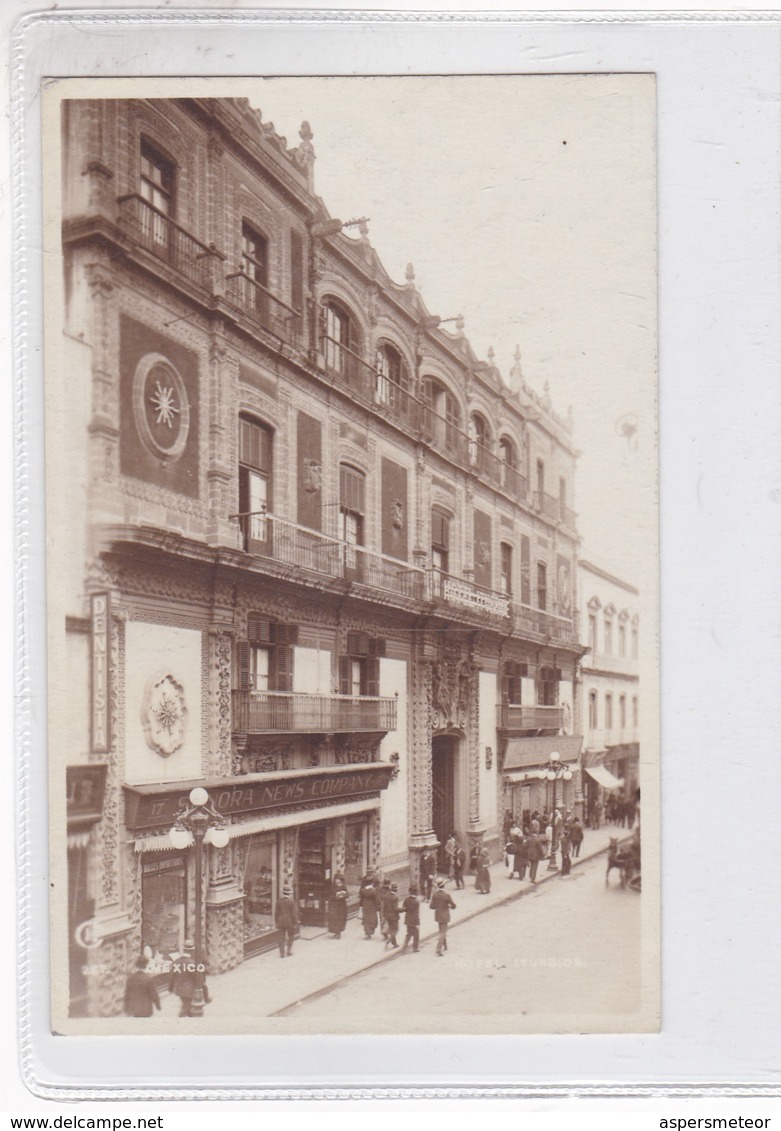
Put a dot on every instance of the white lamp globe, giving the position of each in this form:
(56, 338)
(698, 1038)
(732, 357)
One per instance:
(179, 838)
(198, 796)
(218, 837)
(567, 775)
(551, 775)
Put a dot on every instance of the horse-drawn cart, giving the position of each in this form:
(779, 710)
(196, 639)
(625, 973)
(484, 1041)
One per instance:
(625, 857)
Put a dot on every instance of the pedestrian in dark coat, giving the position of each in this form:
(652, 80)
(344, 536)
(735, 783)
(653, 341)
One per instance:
(458, 865)
(184, 980)
(411, 909)
(390, 914)
(520, 858)
(383, 893)
(576, 836)
(565, 844)
(534, 852)
(141, 997)
(337, 912)
(370, 909)
(286, 921)
(441, 904)
(483, 878)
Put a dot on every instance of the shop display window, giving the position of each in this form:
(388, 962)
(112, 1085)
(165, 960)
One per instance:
(164, 911)
(356, 862)
(259, 883)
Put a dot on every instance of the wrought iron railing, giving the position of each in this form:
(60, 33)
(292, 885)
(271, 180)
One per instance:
(165, 239)
(263, 307)
(544, 624)
(349, 367)
(516, 716)
(320, 553)
(513, 482)
(257, 712)
(547, 504)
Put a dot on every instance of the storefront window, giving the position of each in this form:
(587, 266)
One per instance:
(164, 906)
(259, 885)
(356, 860)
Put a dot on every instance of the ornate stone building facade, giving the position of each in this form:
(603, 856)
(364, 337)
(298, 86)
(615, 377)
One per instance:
(320, 559)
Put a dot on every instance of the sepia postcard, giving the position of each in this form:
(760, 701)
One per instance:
(352, 555)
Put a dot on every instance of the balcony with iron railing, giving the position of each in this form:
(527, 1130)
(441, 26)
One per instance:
(349, 368)
(542, 623)
(547, 504)
(266, 535)
(282, 712)
(264, 308)
(166, 240)
(516, 716)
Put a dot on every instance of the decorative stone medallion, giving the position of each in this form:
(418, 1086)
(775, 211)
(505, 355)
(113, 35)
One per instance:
(164, 714)
(161, 407)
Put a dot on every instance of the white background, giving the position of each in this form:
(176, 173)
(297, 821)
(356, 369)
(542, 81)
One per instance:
(720, 490)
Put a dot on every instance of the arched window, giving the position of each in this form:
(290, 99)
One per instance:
(392, 382)
(508, 454)
(443, 423)
(255, 482)
(340, 340)
(479, 441)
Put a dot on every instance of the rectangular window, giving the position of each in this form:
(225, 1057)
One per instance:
(634, 641)
(255, 460)
(548, 686)
(511, 680)
(297, 272)
(258, 868)
(542, 585)
(352, 494)
(163, 909)
(608, 637)
(156, 189)
(622, 640)
(608, 712)
(526, 579)
(592, 634)
(622, 711)
(507, 568)
(562, 498)
(635, 711)
(440, 541)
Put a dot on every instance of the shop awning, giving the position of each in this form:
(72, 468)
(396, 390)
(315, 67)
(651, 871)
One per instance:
(523, 753)
(602, 776)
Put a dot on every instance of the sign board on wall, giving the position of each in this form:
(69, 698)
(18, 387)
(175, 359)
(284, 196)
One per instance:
(100, 604)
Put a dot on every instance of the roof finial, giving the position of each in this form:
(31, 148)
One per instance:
(409, 275)
(516, 373)
(305, 153)
(491, 356)
(460, 324)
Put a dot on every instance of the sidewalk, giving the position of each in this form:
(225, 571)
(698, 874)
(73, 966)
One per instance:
(319, 961)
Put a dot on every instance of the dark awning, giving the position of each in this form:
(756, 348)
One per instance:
(525, 752)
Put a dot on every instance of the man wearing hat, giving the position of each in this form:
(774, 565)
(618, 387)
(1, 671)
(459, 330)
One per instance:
(441, 904)
(286, 920)
(184, 979)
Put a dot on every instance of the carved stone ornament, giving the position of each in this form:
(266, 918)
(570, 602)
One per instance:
(164, 714)
(160, 407)
(313, 476)
(452, 681)
(483, 553)
(397, 514)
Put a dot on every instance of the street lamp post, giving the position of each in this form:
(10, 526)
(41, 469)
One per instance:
(553, 772)
(198, 824)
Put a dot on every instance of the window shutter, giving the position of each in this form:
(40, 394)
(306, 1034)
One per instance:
(344, 675)
(296, 272)
(351, 489)
(258, 629)
(525, 570)
(358, 644)
(523, 669)
(373, 676)
(242, 666)
(377, 647)
(282, 664)
(284, 634)
(440, 529)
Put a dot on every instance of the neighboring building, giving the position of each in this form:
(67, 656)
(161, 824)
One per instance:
(317, 557)
(610, 685)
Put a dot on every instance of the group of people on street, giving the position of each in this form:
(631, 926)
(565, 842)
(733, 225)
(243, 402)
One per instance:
(620, 811)
(543, 834)
(142, 997)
